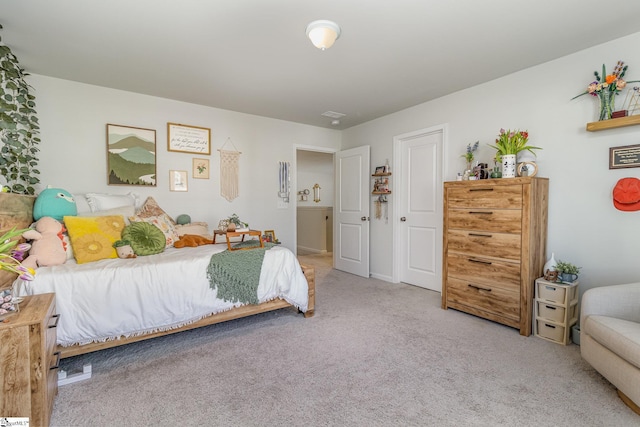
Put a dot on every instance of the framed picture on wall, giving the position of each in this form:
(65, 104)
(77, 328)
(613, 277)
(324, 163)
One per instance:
(188, 139)
(131, 155)
(178, 181)
(201, 168)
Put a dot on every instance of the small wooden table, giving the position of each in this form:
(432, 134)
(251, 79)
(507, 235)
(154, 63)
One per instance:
(231, 234)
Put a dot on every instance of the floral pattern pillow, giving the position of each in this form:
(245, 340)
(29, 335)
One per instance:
(151, 208)
(164, 223)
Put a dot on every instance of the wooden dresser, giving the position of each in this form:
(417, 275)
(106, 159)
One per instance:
(495, 236)
(28, 361)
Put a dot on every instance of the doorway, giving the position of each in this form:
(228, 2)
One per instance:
(314, 193)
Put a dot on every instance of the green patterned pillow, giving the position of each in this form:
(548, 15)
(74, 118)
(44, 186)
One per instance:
(145, 238)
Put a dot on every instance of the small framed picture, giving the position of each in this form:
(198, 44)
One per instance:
(380, 170)
(201, 168)
(269, 236)
(178, 181)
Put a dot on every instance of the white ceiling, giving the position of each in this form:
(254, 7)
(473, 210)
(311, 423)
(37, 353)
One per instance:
(253, 56)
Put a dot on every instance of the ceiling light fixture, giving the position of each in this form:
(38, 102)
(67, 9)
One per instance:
(323, 33)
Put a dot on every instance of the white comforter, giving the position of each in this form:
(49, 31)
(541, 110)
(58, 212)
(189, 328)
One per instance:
(111, 298)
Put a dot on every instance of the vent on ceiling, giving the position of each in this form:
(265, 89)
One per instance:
(333, 114)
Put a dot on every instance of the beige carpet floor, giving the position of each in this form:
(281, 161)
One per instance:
(374, 354)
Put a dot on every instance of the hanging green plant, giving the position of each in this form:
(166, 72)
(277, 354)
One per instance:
(19, 128)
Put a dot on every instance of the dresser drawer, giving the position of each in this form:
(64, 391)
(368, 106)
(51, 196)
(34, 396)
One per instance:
(483, 270)
(494, 220)
(499, 245)
(489, 298)
(485, 196)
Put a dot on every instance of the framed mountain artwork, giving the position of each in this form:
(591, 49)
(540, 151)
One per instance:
(131, 156)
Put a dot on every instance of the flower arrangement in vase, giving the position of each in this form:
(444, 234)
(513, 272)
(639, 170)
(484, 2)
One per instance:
(12, 253)
(508, 144)
(605, 87)
(469, 154)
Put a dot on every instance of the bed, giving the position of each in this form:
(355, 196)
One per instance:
(113, 302)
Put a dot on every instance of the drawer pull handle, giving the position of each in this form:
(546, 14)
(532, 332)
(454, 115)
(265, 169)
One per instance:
(549, 326)
(481, 213)
(481, 189)
(479, 261)
(551, 288)
(55, 324)
(480, 235)
(550, 307)
(57, 365)
(480, 288)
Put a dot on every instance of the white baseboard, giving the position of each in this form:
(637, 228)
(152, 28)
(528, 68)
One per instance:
(311, 250)
(382, 277)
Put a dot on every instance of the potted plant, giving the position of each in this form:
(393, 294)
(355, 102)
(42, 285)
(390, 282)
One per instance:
(19, 138)
(567, 272)
(237, 224)
(123, 249)
(509, 143)
(19, 129)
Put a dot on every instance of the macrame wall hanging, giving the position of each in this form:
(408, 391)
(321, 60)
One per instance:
(229, 171)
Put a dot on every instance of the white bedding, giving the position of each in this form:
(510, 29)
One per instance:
(112, 298)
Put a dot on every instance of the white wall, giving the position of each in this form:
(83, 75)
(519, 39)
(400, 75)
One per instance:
(73, 118)
(315, 167)
(584, 227)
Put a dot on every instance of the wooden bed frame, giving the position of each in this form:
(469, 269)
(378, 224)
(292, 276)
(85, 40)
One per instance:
(236, 313)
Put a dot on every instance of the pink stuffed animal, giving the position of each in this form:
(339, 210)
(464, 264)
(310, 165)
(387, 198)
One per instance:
(47, 246)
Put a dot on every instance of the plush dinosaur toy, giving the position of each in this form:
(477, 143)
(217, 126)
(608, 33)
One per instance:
(47, 244)
(192, 240)
(54, 202)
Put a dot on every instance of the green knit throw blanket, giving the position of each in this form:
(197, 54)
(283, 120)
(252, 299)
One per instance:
(236, 274)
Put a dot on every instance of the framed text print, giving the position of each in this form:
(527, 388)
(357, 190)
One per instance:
(188, 139)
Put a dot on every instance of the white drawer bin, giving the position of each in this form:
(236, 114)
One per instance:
(551, 331)
(556, 313)
(556, 293)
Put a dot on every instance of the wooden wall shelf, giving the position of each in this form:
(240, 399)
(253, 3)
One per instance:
(614, 123)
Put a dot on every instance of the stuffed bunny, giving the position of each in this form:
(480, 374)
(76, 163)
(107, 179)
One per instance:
(47, 244)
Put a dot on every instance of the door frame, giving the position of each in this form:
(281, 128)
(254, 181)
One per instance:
(294, 183)
(397, 140)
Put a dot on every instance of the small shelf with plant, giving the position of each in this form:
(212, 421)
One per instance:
(606, 87)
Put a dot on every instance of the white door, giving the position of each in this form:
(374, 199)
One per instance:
(419, 219)
(351, 219)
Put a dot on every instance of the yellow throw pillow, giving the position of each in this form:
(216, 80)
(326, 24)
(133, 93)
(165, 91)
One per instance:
(92, 237)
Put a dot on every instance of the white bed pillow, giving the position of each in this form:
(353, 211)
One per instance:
(81, 203)
(102, 202)
(197, 228)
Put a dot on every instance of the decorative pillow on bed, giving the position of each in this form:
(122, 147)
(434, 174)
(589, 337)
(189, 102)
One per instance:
(198, 228)
(103, 202)
(92, 237)
(124, 211)
(145, 238)
(151, 208)
(163, 222)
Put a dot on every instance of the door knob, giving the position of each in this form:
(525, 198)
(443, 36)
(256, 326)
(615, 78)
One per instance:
(403, 219)
(364, 218)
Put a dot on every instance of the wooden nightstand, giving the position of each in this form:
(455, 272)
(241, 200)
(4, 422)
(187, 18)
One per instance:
(28, 361)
